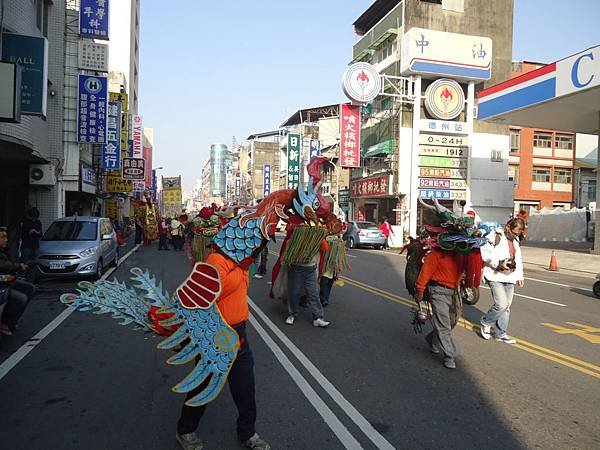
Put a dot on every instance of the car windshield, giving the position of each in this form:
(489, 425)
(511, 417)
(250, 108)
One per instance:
(365, 225)
(71, 231)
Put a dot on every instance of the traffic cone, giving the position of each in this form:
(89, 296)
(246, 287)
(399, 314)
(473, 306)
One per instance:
(553, 262)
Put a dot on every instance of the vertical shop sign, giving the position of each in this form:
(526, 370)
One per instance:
(93, 19)
(137, 134)
(314, 148)
(91, 109)
(293, 160)
(111, 151)
(266, 180)
(349, 135)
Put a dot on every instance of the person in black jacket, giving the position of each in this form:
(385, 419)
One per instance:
(15, 294)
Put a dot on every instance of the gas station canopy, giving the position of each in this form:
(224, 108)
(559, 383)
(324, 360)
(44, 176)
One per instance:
(564, 95)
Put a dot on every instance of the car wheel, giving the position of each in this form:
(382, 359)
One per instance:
(351, 243)
(377, 247)
(99, 270)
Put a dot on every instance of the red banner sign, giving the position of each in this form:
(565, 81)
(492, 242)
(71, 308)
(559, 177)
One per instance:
(349, 135)
(370, 187)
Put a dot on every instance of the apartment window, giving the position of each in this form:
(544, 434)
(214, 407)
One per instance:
(591, 190)
(563, 176)
(563, 142)
(513, 174)
(496, 156)
(541, 174)
(515, 141)
(542, 140)
(41, 13)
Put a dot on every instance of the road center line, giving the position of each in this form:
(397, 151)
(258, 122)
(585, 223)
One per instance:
(559, 284)
(342, 433)
(28, 346)
(531, 298)
(362, 423)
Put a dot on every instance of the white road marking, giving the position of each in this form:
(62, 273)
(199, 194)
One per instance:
(533, 298)
(345, 437)
(362, 423)
(559, 284)
(24, 350)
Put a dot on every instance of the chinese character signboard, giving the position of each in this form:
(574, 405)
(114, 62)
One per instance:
(294, 145)
(116, 183)
(31, 53)
(91, 109)
(444, 126)
(314, 148)
(134, 168)
(139, 185)
(349, 135)
(93, 19)
(93, 56)
(111, 208)
(88, 179)
(137, 134)
(371, 187)
(266, 180)
(111, 151)
(438, 53)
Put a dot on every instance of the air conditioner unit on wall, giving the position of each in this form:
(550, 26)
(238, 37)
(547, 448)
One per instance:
(42, 174)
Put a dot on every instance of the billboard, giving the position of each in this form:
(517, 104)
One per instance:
(91, 109)
(93, 56)
(134, 169)
(293, 160)
(349, 135)
(31, 53)
(116, 183)
(111, 151)
(93, 19)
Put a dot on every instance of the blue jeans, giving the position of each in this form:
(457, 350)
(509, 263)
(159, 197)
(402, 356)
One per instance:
(302, 278)
(499, 313)
(325, 286)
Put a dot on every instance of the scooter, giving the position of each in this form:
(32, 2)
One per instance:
(596, 287)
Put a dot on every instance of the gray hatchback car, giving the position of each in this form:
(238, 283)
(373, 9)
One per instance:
(77, 247)
(364, 233)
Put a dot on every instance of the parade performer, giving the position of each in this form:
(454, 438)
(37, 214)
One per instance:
(205, 319)
(452, 251)
(333, 262)
(146, 215)
(205, 227)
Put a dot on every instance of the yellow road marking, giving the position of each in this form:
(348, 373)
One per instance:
(590, 334)
(568, 361)
(551, 355)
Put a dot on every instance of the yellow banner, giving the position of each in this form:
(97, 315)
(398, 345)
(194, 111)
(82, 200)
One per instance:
(119, 97)
(116, 183)
(111, 208)
(171, 196)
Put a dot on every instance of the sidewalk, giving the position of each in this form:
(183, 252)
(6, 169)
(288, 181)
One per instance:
(570, 256)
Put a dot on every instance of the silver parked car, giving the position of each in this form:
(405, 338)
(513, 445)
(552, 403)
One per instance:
(77, 247)
(364, 233)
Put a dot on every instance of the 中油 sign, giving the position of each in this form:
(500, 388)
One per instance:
(438, 172)
(452, 152)
(440, 139)
(442, 183)
(444, 126)
(91, 109)
(443, 162)
(134, 168)
(442, 194)
(444, 99)
(438, 53)
(361, 83)
(293, 160)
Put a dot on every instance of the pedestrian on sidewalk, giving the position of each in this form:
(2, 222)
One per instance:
(386, 229)
(503, 269)
(31, 232)
(233, 305)
(440, 275)
(16, 294)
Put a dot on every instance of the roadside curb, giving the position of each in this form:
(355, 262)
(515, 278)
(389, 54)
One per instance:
(582, 273)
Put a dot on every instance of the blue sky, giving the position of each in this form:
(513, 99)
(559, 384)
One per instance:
(213, 70)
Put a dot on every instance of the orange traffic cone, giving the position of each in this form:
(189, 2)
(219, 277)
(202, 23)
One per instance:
(553, 262)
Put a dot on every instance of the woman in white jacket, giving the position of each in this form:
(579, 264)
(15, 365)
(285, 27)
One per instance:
(503, 269)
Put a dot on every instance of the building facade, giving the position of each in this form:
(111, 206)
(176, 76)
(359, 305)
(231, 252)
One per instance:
(220, 160)
(37, 141)
(398, 123)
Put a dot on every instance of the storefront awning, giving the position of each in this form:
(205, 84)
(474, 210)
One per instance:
(381, 148)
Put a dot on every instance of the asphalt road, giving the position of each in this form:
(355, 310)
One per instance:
(366, 381)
